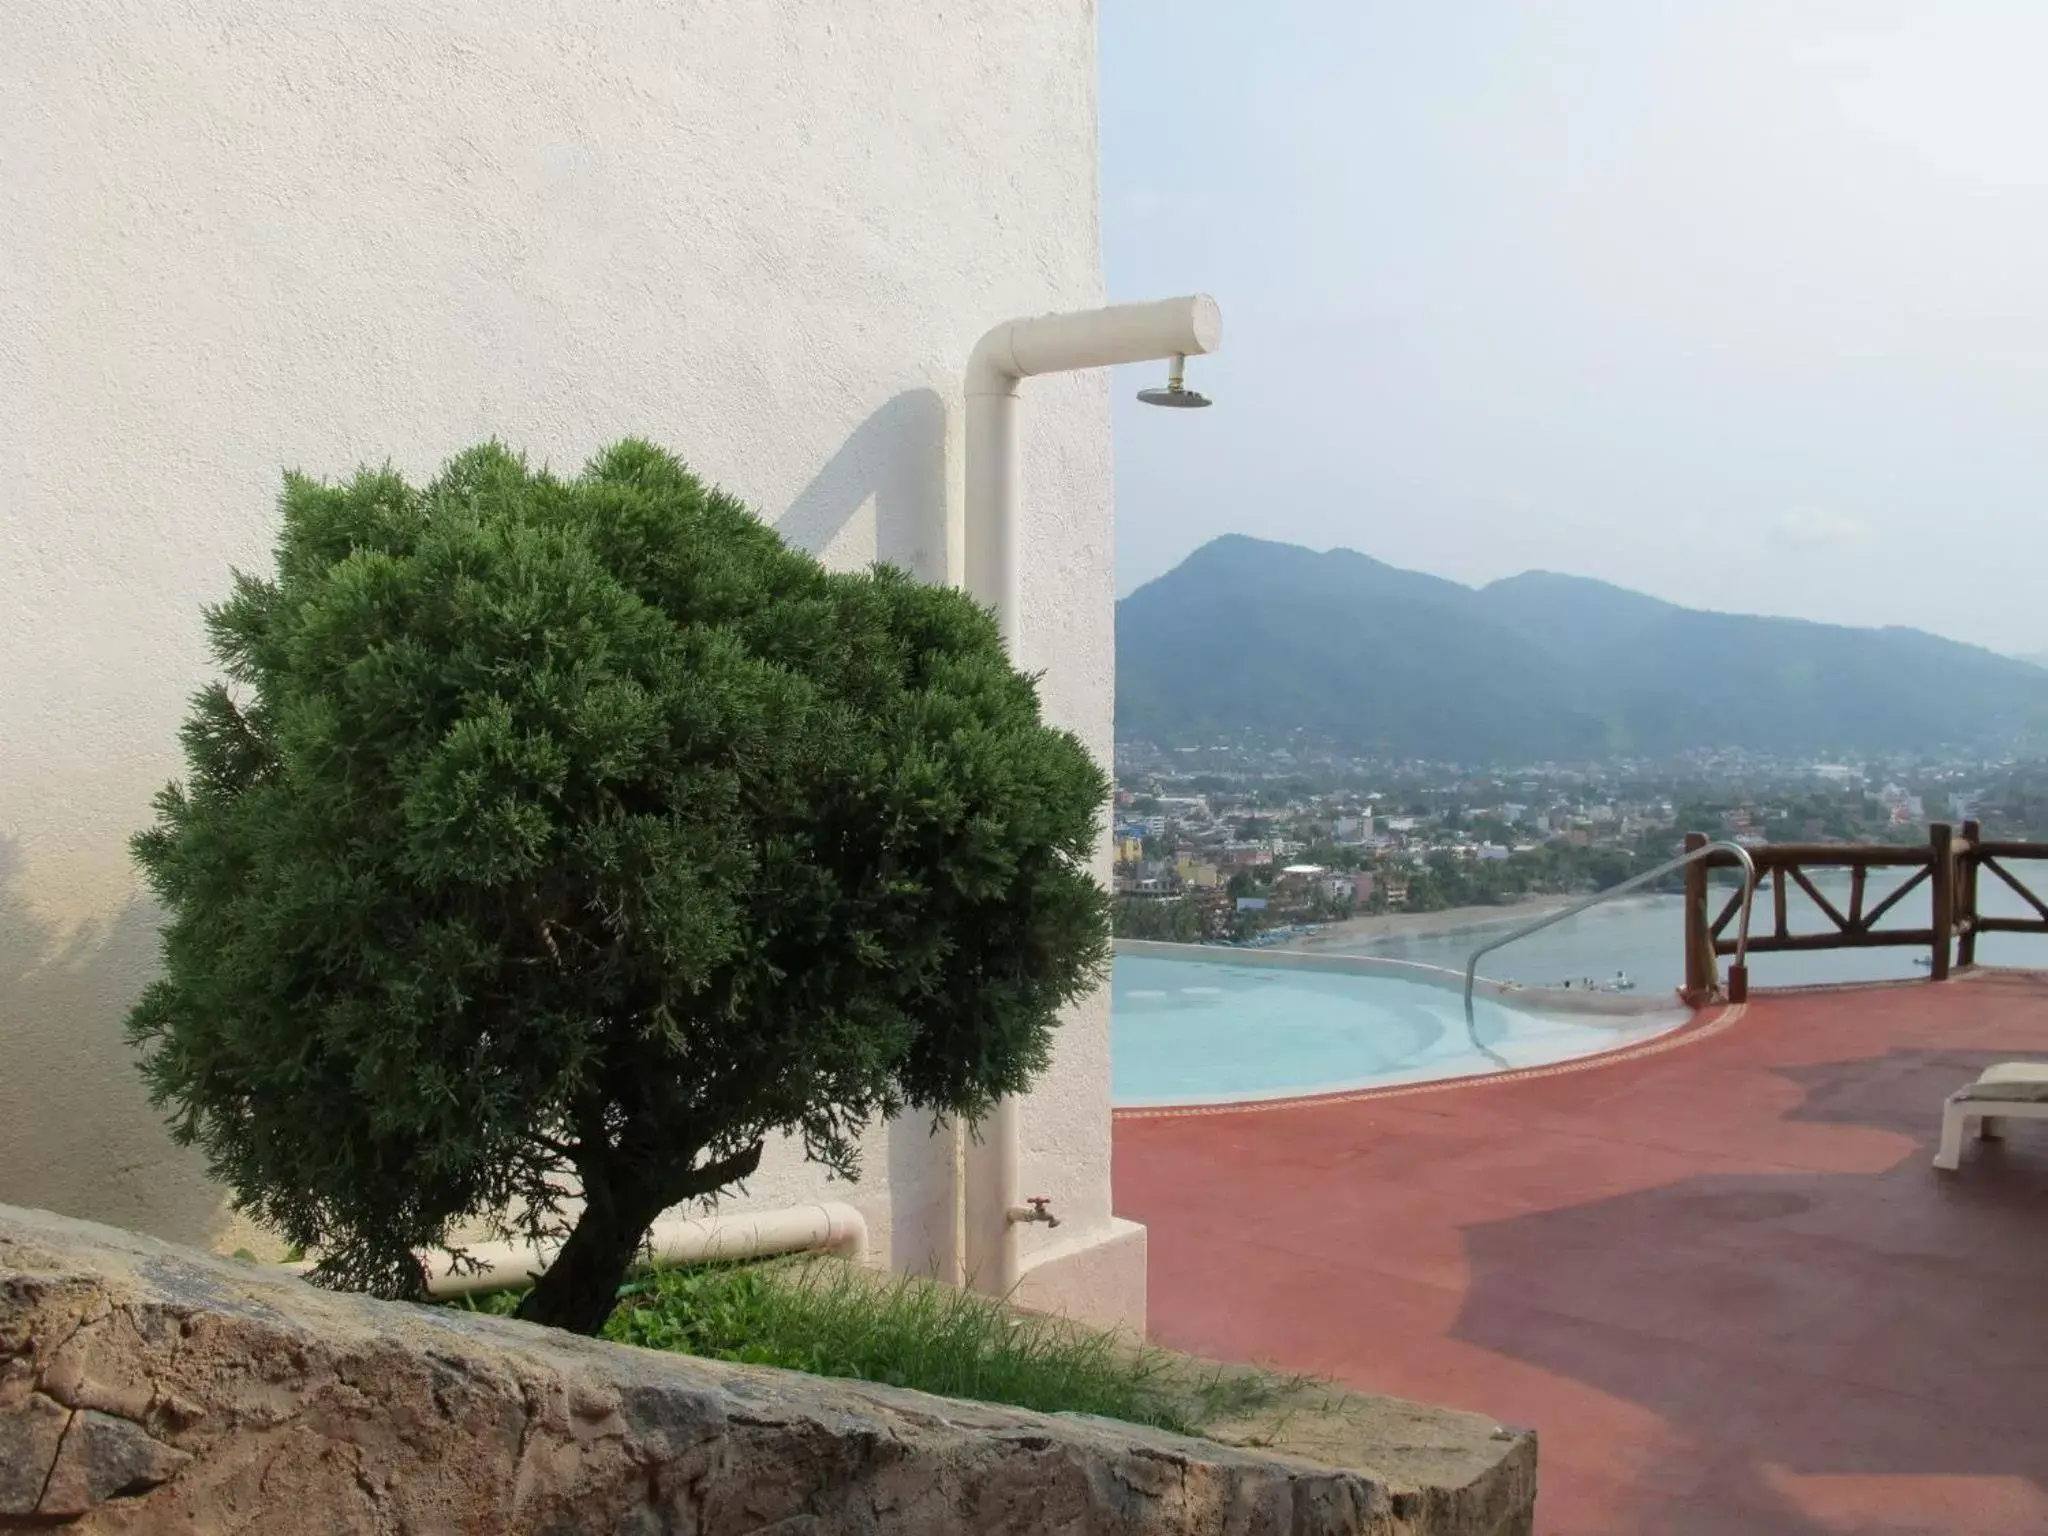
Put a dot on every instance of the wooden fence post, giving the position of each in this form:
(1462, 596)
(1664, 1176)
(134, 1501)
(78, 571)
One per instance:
(1941, 838)
(1966, 896)
(1699, 937)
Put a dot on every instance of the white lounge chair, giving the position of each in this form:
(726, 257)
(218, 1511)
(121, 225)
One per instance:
(2012, 1090)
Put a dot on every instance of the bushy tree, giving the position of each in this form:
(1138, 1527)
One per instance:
(579, 831)
(1177, 920)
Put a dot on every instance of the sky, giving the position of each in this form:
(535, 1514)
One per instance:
(1743, 303)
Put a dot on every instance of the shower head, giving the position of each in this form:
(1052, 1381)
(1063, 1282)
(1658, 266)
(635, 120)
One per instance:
(1176, 393)
(1172, 396)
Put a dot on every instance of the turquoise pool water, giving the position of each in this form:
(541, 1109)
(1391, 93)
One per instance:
(1202, 1031)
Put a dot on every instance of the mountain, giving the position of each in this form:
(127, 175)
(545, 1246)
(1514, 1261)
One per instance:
(1250, 636)
(2035, 659)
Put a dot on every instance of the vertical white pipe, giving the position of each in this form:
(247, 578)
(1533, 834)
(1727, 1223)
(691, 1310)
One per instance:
(1007, 354)
(994, 477)
(956, 1270)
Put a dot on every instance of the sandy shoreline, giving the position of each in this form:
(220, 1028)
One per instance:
(1428, 925)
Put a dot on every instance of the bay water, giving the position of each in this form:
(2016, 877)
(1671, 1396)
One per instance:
(1643, 937)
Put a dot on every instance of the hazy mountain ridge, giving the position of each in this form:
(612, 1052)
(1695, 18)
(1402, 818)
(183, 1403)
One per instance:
(1247, 635)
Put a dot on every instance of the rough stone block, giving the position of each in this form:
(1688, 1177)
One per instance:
(145, 1387)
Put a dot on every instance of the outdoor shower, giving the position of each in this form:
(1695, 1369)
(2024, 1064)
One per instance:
(1001, 361)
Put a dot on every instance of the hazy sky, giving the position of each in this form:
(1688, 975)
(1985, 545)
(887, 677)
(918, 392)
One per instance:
(1740, 302)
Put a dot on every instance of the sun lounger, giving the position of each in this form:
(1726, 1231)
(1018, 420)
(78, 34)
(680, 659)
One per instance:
(2012, 1090)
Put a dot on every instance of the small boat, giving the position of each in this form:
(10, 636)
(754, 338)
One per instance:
(1925, 962)
(1623, 982)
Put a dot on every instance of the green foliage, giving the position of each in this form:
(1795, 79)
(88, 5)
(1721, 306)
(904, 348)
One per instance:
(1550, 868)
(1146, 917)
(2016, 803)
(1426, 892)
(832, 1320)
(579, 824)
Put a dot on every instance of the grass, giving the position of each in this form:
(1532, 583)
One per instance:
(835, 1320)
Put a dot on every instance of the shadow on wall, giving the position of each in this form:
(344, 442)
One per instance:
(897, 458)
(77, 1132)
(921, 1236)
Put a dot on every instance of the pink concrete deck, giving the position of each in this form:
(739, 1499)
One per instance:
(1721, 1280)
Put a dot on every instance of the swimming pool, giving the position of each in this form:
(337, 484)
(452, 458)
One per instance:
(1220, 1026)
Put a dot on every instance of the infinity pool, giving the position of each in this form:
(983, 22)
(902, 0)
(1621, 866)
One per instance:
(1228, 1029)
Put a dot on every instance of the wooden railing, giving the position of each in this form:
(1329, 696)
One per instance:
(1949, 865)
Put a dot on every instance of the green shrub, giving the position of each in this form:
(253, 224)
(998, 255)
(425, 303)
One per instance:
(580, 827)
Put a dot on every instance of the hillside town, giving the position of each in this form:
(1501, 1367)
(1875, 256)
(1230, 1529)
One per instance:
(1251, 845)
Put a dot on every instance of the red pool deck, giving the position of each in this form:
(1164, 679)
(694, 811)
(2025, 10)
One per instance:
(1719, 1278)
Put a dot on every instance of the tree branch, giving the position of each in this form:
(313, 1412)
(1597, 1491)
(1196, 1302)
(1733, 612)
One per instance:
(710, 1177)
(566, 1150)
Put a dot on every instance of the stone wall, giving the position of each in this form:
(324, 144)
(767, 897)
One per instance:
(145, 1387)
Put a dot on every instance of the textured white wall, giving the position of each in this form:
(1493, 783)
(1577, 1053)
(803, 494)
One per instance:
(241, 235)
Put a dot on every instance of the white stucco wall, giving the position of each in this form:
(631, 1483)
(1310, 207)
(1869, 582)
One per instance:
(242, 235)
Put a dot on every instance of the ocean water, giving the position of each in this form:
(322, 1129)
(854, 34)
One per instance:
(1643, 937)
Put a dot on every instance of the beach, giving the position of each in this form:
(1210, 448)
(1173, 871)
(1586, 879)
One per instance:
(1643, 936)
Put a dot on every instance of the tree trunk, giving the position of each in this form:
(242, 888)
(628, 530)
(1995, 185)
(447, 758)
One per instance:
(580, 1289)
(621, 1198)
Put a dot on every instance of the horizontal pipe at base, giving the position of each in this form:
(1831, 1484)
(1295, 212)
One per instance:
(828, 1227)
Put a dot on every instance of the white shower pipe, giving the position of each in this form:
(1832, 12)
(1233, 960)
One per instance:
(1001, 360)
(828, 1227)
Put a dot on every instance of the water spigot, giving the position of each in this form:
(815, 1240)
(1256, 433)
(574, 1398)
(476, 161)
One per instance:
(1034, 1209)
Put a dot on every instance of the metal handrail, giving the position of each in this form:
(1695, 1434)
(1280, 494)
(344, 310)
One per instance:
(1741, 934)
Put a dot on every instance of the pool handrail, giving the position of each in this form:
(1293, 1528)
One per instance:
(1632, 883)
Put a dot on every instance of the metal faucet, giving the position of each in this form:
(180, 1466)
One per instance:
(1034, 1209)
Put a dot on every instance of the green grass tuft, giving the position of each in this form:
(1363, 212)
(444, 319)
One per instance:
(833, 1320)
